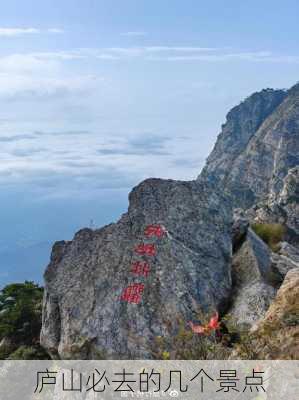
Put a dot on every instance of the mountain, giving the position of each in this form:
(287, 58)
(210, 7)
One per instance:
(257, 147)
(185, 251)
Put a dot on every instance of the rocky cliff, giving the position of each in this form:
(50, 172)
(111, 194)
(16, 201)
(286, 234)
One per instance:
(257, 146)
(109, 293)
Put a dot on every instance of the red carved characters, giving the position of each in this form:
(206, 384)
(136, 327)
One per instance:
(140, 268)
(146, 249)
(154, 230)
(132, 293)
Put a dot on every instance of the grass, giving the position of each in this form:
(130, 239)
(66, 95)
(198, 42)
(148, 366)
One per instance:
(271, 234)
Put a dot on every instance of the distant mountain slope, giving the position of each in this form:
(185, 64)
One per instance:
(257, 146)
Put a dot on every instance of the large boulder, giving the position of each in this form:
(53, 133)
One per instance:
(84, 316)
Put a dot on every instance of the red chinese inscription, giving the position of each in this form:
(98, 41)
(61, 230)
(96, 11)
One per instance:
(132, 293)
(146, 249)
(140, 268)
(154, 230)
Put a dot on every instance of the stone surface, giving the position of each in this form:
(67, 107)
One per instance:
(287, 250)
(240, 228)
(283, 207)
(283, 264)
(254, 281)
(83, 316)
(277, 334)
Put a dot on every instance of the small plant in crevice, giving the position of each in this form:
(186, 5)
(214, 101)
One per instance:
(271, 234)
(201, 342)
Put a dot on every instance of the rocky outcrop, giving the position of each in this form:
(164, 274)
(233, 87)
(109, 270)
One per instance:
(276, 335)
(190, 274)
(289, 251)
(257, 272)
(257, 147)
(282, 207)
(255, 281)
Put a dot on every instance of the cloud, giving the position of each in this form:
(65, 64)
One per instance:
(53, 60)
(20, 87)
(144, 51)
(71, 177)
(44, 75)
(70, 162)
(55, 30)
(13, 32)
(188, 163)
(62, 133)
(140, 146)
(134, 33)
(259, 56)
(41, 75)
(27, 152)
(173, 53)
(10, 32)
(16, 138)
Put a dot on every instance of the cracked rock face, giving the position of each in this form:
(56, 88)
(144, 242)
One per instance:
(190, 274)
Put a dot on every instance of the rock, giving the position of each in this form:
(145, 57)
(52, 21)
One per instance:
(283, 208)
(254, 281)
(288, 199)
(240, 227)
(282, 264)
(257, 147)
(276, 335)
(287, 250)
(83, 316)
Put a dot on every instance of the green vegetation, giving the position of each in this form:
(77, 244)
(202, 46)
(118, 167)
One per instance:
(20, 321)
(271, 234)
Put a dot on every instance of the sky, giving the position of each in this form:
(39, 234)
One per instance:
(98, 95)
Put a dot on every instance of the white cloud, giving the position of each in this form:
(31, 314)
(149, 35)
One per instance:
(26, 63)
(13, 32)
(195, 49)
(9, 32)
(87, 159)
(55, 30)
(47, 74)
(135, 33)
(149, 53)
(173, 53)
(18, 87)
(38, 75)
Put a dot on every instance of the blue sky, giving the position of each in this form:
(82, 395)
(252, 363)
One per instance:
(97, 95)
